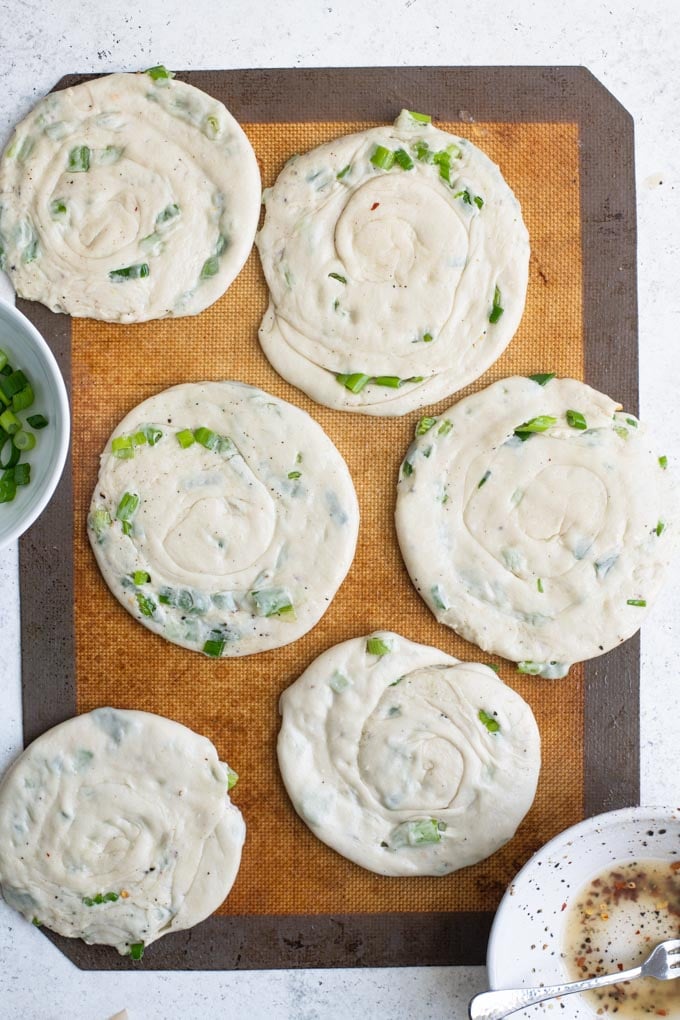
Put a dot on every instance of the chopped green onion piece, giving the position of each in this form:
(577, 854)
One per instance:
(24, 441)
(423, 153)
(152, 434)
(343, 173)
(14, 454)
(494, 667)
(445, 428)
(9, 422)
(636, 602)
(492, 725)
(206, 437)
(8, 490)
(11, 384)
(376, 646)
(186, 438)
(136, 272)
(338, 682)
(211, 126)
(139, 439)
(100, 521)
(632, 422)
(540, 424)
(621, 430)
(159, 73)
(273, 602)
(496, 310)
(443, 161)
(417, 833)
(168, 213)
(36, 922)
(427, 338)
(141, 577)
(660, 527)
(576, 420)
(382, 158)
(465, 195)
(393, 381)
(210, 268)
(354, 382)
(22, 474)
(338, 277)
(402, 158)
(530, 668)
(663, 462)
(127, 506)
(294, 474)
(542, 377)
(232, 778)
(407, 468)
(137, 948)
(479, 201)
(23, 399)
(484, 479)
(214, 648)
(422, 118)
(424, 425)
(539, 585)
(122, 447)
(79, 159)
(3, 359)
(439, 597)
(147, 606)
(37, 421)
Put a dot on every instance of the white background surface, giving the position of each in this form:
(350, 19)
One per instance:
(633, 50)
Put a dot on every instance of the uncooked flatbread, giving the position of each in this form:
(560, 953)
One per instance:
(391, 287)
(117, 828)
(234, 542)
(405, 760)
(126, 198)
(537, 521)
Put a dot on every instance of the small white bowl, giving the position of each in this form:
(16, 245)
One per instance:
(26, 349)
(528, 933)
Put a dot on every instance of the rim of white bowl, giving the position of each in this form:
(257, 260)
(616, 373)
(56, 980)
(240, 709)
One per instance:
(63, 425)
(509, 901)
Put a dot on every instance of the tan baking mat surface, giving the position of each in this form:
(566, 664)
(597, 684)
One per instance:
(285, 869)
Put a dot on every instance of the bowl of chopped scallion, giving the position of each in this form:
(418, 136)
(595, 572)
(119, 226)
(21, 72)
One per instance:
(34, 424)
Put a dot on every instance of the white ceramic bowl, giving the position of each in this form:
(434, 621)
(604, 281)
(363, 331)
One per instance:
(527, 936)
(27, 350)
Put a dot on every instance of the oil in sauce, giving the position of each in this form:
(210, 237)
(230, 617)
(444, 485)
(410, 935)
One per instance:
(613, 924)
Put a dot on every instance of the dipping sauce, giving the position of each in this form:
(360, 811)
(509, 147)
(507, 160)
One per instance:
(613, 924)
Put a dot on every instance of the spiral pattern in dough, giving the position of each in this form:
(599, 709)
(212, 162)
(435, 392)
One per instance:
(405, 760)
(127, 198)
(228, 521)
(118, 829)
(410, 278)
(537, 521)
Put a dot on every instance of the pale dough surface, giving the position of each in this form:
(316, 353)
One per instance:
(244, 545)
(124, 172)
(547, 551)
(391, 272)
(122, 803)
(389, 760)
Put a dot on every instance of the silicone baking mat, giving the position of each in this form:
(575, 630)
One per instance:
(565, 147)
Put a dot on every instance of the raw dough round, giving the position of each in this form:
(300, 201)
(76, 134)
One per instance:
(545, 547)
(235, 542)
(127, 198)
(405, 760)
(407, 282)
(117, 828)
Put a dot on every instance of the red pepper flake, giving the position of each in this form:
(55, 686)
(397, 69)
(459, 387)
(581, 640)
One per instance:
(661, 1012)
(564, 906)
(620, 966)
(675, 866)
(375, 206)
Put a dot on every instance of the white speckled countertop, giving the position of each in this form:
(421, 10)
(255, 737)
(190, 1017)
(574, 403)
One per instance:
(632, 48)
